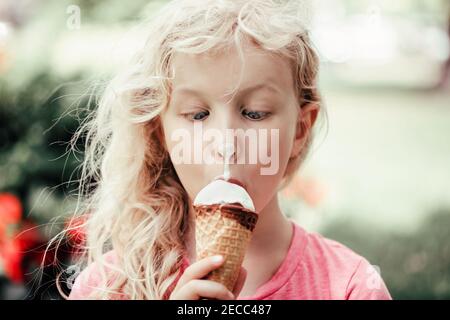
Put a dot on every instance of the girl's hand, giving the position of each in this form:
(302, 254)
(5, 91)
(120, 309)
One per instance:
(191, 286)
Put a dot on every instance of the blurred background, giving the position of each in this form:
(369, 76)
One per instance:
(377, 178)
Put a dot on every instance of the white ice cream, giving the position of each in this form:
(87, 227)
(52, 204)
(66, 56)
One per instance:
(220, 191)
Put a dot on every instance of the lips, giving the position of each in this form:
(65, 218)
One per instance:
(234, 181)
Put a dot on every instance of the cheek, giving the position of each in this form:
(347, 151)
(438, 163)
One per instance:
(264, 186)
(191, 175)
(287, 135)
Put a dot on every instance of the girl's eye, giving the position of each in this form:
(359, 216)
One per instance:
(255, 115)
(252, 115)
(196, 116)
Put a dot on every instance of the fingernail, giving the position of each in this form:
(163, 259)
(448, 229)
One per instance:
(217, 259)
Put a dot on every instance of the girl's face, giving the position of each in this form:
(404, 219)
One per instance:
(202, 106)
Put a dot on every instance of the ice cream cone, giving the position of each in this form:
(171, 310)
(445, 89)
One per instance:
(224, 229)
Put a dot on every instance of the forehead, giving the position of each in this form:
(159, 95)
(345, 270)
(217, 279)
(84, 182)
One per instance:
(220, 73)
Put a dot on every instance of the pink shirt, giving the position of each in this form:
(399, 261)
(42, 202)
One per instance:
(314, 268)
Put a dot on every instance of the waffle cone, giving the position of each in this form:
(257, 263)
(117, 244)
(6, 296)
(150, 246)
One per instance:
(225, 230)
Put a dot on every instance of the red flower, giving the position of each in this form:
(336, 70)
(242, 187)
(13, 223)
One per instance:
(25, 243)
(10, 208)
(11, 254)
(75, 230)
(10, 214)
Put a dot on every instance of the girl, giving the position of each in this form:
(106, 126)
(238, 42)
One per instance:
(221, 64)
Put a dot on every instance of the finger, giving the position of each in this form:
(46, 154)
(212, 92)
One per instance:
(240, 281)
(199, 269)
(197, 289)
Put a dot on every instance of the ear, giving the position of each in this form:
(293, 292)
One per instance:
(306, 118)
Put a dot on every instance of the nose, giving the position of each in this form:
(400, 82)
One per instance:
(226, 121)
(227, 151)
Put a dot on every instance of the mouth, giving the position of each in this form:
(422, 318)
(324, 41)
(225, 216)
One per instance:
(232, 180)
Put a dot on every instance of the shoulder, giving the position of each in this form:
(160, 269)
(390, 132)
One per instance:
(350, 275)
(91, 277)
(331, 251)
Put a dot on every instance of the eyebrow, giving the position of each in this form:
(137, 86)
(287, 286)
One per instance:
(261, 86)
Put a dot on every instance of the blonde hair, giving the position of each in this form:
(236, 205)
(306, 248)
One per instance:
(136, 203)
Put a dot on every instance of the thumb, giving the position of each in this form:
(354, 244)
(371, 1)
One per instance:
(240, 282)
